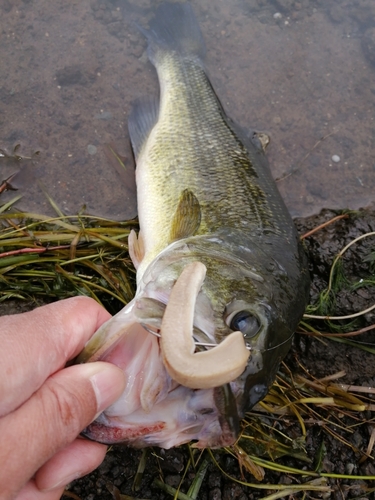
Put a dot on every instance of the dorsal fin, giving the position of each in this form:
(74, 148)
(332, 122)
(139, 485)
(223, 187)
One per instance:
(143, 116)
(187, 217)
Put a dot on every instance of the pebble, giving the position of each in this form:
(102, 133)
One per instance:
(91, 149)
(277, 15)
(215, 494)
(173, 480)
(349, 468)
(336, 158)
(104, 115)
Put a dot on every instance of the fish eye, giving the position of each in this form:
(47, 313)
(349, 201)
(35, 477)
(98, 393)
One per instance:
(246, 323)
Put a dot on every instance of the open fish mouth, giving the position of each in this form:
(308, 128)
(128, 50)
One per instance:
(173, 394)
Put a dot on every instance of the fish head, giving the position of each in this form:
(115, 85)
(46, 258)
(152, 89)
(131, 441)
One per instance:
(176, 391)
(256, 296)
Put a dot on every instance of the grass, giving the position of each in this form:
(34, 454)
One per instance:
(58, 257)
(337, 280)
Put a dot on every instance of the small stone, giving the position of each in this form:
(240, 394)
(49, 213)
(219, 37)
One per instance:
(336, 158)
(104, 115)
(173, 480)
(357, 439)
(215, 494)
(349, 468)
(277, 15)
(214, 480)
(116, 471)
(91, 149)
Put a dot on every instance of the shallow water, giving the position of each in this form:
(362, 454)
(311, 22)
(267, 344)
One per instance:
(301, 71)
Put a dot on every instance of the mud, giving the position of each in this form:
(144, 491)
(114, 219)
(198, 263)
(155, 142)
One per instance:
(300, 70)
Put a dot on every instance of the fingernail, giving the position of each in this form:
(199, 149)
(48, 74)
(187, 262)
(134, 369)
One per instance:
(108, 382)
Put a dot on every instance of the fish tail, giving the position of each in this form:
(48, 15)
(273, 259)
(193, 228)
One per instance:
(174, 29)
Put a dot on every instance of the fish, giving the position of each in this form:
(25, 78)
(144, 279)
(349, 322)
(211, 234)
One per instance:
(222, 276)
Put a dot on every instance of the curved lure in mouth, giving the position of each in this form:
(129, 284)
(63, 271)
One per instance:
(206, 369)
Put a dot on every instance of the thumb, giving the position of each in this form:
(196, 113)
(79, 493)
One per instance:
(53, 417)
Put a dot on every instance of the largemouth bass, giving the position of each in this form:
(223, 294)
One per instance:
(222, 279)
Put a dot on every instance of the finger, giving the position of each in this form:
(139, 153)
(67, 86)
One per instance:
(31, 492)
(76, 460)
(52, 418)
(37, 343)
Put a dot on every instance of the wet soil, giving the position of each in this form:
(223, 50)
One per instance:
(300, 70)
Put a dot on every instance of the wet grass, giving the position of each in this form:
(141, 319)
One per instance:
(59, 257)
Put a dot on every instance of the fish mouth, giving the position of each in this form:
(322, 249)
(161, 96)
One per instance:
(173, 395)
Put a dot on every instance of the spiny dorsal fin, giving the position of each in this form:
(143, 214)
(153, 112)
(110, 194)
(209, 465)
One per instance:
(142, 118)
(136, 248)
(187, 217)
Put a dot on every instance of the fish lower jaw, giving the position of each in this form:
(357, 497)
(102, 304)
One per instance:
(178, 419)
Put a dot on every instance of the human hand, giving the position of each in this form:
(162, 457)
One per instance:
(44, 406)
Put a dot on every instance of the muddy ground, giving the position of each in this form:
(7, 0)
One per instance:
(321, 358)
(300, 70)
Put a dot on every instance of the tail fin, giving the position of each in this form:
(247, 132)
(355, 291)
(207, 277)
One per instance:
(174, 28)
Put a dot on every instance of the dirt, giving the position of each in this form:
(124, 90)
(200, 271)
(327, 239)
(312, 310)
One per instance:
(300, 70)
(322, 249)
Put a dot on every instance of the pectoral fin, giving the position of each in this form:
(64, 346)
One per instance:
(136, 248)
(187, 217)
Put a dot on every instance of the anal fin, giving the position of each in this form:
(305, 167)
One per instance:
(187, 217)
